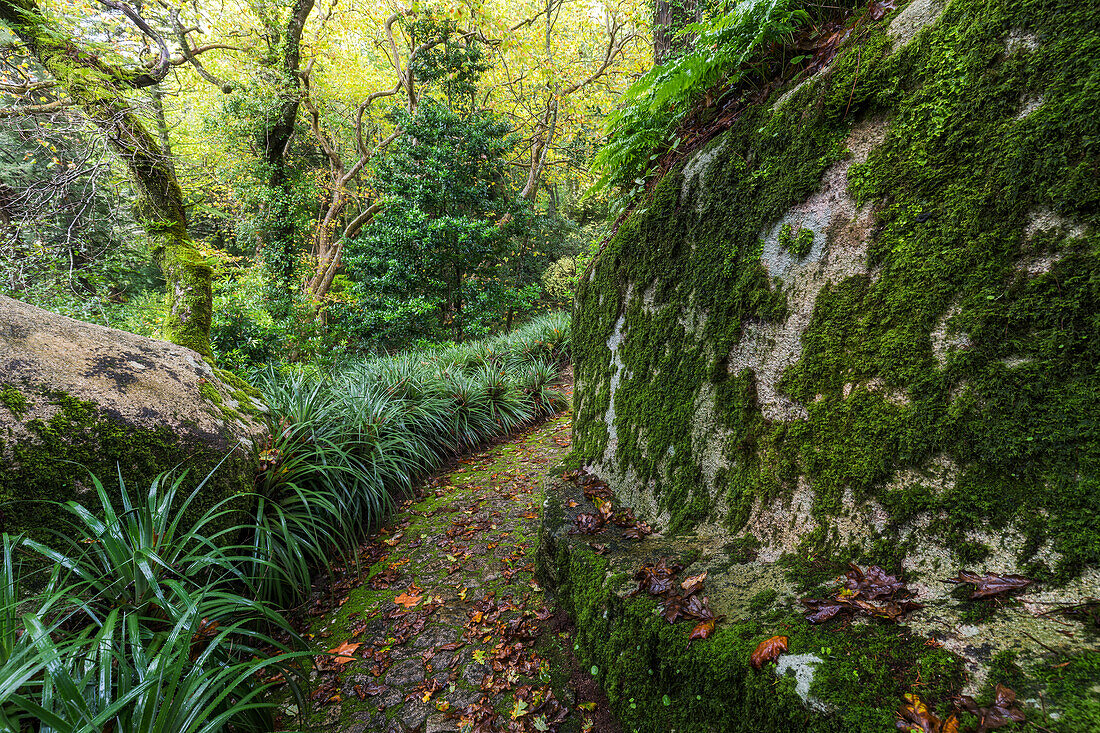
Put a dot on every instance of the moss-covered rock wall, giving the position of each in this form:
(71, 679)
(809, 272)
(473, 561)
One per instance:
(864, 319)
(861, 324)
(78, 398)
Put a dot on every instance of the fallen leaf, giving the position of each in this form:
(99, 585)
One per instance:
(693, 583)
(344, 652)
(878, 9)
(768, 651)
(370, 689)
(588, 524)
(702, 630)
(821, 610)
(915, 717)
(672, 609)
(873, 584)
(873, 592)
(1003, 711)
(991, 584)
(406, 600)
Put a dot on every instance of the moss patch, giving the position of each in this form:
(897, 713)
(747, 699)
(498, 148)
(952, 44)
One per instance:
(857, 672)
(656, 679)
(13, 399)
(51, 461)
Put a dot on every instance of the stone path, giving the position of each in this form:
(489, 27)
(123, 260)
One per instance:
(445, 628)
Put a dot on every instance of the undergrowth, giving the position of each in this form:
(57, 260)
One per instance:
(139, 620)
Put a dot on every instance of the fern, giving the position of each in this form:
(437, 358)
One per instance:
(652, 110)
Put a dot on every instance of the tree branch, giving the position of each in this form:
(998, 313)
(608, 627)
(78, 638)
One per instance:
(35, 109)
(160, 69)
(190, 56)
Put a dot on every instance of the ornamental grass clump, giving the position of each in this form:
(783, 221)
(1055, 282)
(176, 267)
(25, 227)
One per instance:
(142, 624)
(341, 445)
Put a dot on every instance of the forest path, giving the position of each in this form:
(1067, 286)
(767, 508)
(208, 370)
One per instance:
(444, 627)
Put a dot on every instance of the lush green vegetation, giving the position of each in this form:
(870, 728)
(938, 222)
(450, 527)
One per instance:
(306, 198)
(142, 620)
(736, 43)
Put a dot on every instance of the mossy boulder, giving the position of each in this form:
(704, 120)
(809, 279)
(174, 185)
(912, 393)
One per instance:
(860, 324)
(78, 398)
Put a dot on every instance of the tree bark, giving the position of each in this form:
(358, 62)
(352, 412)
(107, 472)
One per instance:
(281, 238)
(99, 90)
(670, 17)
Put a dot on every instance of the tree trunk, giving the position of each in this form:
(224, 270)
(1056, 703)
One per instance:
(281, 241)
(100, 89)
(669, 18)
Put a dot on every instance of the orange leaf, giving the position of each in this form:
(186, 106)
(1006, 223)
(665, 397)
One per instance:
(768, 651)
(702, 630)
(694, 583)
(344, 652)
(406, 600)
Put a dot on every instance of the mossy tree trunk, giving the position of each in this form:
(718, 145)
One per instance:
(99, 89)
(282, 241)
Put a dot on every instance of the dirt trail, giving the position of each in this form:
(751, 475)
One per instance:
(445, 628)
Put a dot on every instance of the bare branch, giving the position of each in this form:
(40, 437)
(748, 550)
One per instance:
(35, 109)
(190, 56)
(160, 70)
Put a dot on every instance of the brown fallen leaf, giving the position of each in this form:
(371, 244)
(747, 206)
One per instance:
(868, 593)
(407, 600)
(878, 9)
(915, 717)
(368, 690)
(991, 584)
(588, 524)
(768, 651)
(698, 607)
(638, 531)
(1003, 711)
(672, 609)
(702, 630)
(693, 583)
(656, 579)
(873, 584)
(822, 610)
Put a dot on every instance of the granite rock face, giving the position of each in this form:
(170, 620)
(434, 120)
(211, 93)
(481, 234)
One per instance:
(77, 397)
(859, 325)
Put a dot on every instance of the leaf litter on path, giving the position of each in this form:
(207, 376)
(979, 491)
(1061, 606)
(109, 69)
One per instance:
(442, 620)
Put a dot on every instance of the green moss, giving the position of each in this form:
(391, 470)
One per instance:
(210, 392)
(238, 384)
(955, 184)
(798, 243)
(13, 399)
(49, 463)
(1066, 688)
(710, 685)
(762, 600)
